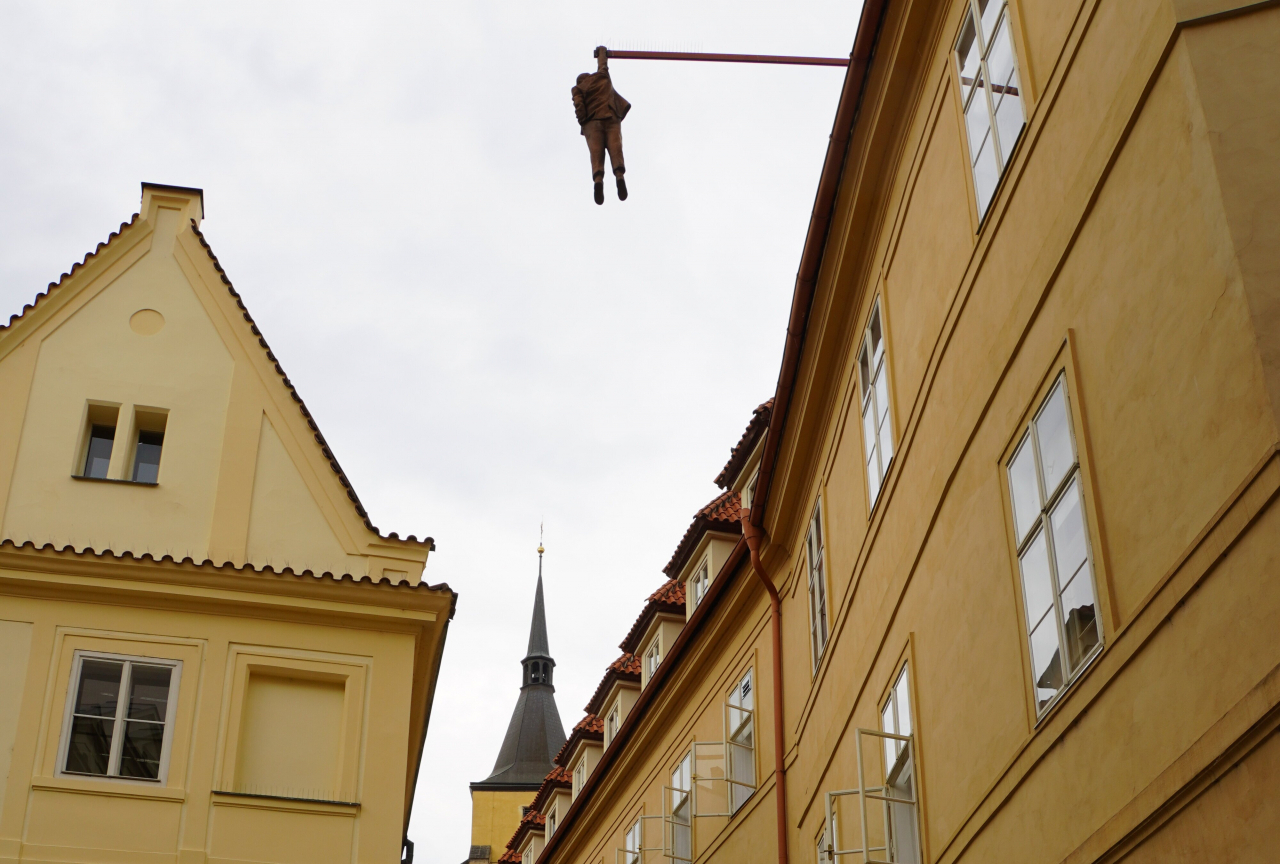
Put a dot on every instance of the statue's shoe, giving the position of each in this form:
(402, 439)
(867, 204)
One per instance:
(622, 189)
(599, 191)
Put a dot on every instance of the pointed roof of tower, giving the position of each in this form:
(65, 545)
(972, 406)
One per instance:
(535, 733)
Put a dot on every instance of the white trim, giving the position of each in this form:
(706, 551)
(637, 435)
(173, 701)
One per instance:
(117, 739)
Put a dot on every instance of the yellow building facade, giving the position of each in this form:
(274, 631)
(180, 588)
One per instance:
(1005, 583)
(212, 655)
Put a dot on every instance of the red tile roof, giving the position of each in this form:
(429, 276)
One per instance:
(531, 821)
(590, 728)
(668, 599)
(509, 857)
(722, 514)
(558, 778)
(741, 451)
(625, 668)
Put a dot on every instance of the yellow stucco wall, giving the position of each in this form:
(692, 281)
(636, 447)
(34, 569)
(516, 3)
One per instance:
(1132, 249)
(301, 698)
(495, 816)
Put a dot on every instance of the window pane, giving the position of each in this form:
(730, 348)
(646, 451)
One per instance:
(990, 10)
(149, 692)
(1081, 625)
(1036, 585)
(864, 368)
(1026, 492)
(873, 463)
(882, 395)
(140, 755)
(887, 724)
(1009, 118)
(1069, 546)
(877, 340)
(904, 705)
(1000, 60)
(89, 748)
(986, 172)
(977, 120)
(99, 688)
(967, 56)
(1045, 665)
(146, 459)
(885, 434)
(873, 479)
(1054, 432)
(98, 458)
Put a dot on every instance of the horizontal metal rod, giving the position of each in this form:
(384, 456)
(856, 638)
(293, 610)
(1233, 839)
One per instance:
(729, 58)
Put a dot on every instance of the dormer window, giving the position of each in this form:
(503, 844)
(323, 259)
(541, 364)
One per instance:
(698, 585)
(579, 776)
(611, 724)
(652, 658)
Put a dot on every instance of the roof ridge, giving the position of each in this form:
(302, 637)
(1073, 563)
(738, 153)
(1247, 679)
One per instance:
(429, 542)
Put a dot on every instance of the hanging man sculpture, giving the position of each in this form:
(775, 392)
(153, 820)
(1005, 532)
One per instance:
(600, 111)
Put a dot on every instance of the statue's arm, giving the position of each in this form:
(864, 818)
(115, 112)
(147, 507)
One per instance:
(602, 59)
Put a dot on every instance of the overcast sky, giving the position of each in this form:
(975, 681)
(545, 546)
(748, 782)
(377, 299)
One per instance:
(401, 195)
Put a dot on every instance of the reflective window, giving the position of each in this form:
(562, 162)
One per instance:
(991, 93)
(1053, 548)
(877, 431)
(119, 716)
(814, 551)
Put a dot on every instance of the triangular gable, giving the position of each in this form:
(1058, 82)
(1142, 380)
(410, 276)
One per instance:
(149, 326)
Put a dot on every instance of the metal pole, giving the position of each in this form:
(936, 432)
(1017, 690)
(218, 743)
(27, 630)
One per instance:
(727, 58)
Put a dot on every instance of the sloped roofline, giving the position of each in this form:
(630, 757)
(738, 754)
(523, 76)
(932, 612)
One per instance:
(16, 319)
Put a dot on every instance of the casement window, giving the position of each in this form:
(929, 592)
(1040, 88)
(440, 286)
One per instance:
(579, 776)
(740, 723)
(814, 552)
(652, 658)
(825, 846)
(681, 818)
(1053, 548)
(119, 719)
(698, 585)
(631, 844)
(877, 430)
(527, 857)
(990, 91)
(611, 724)
(895, 718)
(551, 822)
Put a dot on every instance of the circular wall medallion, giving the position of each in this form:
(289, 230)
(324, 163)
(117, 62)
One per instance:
(146, 322)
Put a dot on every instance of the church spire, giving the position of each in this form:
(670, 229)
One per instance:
(535, 733)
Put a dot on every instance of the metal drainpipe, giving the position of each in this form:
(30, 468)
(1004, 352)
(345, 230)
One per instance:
(753, 534)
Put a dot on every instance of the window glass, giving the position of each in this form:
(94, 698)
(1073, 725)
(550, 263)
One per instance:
(146, 459)
(98, 459)
(877, 431)
(969, 55)
(1053, 555)
(118, 737)
(741, 745)
(1054, 433)
(817, 587)
(1026, 491)
(989, 92)
(681, 811)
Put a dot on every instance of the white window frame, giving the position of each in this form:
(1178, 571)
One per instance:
(653, 656)
(698, 583)
(1042, 527)
(740, 727)
(678, 798)
(819, 611)
(612, 721)
(122, 701)
(877, 418)
(989, 27)
(551, 821)
(579, 775)
(633, 842)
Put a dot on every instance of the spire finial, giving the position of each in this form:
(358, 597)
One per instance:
(540, 549)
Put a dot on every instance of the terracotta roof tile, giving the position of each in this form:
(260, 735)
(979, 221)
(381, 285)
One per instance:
(722, 514)
(557, 778)
(14, 319)
(208, 565)
(625, 668)
(531, 821)
(668, 599)
(509, 857)
(741, 451)
(590, 728)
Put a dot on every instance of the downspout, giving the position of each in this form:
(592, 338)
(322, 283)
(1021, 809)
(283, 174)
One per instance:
(753, 534)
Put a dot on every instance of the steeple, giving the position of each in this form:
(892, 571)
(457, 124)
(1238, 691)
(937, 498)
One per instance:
(535, 733)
